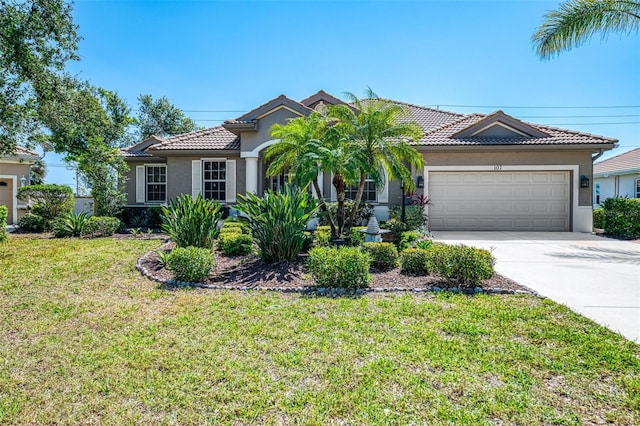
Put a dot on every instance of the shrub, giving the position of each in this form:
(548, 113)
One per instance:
(396, 227)
(462, 265)
(322, 235)
(414, 215)
(48, 201)
(243, 224)
(415, 261)
(384, 256)
(345, 267)
(102, 225)
(192, 264)
(154, 217)
(278, 220)
(308, 241)
(407, 239)
(235, 244)
(32, 223)
(4, 213)
(71, 225)
(622, 217)
(598, 218)
(365, 211)
(357, 238)
(192, 221)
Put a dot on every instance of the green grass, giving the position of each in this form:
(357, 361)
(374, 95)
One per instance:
(85, 339)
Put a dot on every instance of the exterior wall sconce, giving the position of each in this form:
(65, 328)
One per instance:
(584, 181)
(420, 182)
(23, 181)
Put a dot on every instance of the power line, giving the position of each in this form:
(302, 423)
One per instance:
(537, 107)
(579, 116)
(590, 124)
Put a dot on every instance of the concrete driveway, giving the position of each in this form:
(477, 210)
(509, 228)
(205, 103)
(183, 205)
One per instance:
(597, 277)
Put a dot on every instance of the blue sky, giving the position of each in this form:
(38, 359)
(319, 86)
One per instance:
(232, 56)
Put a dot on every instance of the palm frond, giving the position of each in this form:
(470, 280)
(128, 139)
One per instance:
(578, 20)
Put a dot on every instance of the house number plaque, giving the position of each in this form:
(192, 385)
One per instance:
(497, 167)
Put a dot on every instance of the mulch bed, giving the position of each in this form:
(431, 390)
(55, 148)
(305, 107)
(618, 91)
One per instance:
(249, 272)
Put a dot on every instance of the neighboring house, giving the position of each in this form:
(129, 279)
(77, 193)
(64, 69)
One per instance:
(14, 172)
(483, 172)
(617, 176)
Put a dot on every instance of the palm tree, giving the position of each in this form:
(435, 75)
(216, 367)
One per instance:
(297, 152)
(578, 20)
(380, 135)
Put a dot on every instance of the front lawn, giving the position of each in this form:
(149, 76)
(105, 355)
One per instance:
(86, 339)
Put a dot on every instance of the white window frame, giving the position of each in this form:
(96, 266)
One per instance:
(147, 183)
(205, 181)
(637, 191)
(354, 189)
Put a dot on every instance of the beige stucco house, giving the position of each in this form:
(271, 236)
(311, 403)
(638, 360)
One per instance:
(482, 172)
(617, 176)
(14, 172)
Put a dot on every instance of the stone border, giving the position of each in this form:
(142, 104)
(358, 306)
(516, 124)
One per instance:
(330, 292)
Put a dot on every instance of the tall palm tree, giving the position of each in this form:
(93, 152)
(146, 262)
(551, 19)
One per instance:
(578, 20)
(380, 135)
(297, 153)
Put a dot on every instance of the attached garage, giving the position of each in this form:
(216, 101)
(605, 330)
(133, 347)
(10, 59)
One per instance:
(509, 200)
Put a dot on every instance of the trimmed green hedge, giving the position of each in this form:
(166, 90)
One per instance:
(235, 243)
(461, 265)
(598, 218)
(343, 267)
(192, 264)
(102, 225)
(4, 213)
(384, 256)
(622, 217)
(414, 261)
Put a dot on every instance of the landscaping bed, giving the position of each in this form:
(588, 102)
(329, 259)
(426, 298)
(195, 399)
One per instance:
(249, 272)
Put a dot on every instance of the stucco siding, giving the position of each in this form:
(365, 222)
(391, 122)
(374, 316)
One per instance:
(251, 140)
(616, 186)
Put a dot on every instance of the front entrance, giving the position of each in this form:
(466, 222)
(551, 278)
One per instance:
(6, 197)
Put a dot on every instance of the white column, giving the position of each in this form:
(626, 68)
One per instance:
(251, 181)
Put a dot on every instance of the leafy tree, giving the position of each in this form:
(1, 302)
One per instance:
(379, 135)
(578, 20)
(38, 171)
(161, 118)
(37, 39)
(297, 153)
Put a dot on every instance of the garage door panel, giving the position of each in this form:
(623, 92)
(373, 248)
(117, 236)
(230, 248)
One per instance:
(536, 201)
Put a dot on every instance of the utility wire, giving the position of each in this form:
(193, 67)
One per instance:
(537, 107)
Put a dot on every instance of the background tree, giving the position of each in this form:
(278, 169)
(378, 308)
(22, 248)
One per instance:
(379, 133)
(37, 172)
(297, 153)
(577, 21)
(161, 118)
(37, 39)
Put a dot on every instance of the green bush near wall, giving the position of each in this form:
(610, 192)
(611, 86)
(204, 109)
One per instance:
(598, 218)
(622, 217)
(4, 213)
(341, 267)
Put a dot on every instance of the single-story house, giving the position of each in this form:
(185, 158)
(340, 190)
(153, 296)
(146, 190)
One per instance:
(617, 176)
(482, 172)
(14, 172)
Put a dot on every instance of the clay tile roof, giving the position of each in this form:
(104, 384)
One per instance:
(429, 118)
(26, 152)
(628, 161)
(22, 153)
(443, 135)
(213, 138)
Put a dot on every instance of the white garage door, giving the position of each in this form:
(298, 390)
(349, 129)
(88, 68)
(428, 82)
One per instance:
(499, 201)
